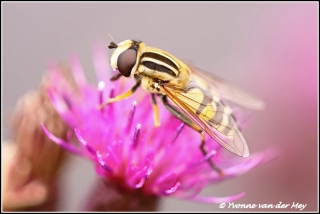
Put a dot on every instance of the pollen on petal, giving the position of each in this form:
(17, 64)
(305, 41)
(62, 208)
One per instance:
(177, 133)
(102, 162)
(136, 136)
(131, 116)
(172, 189)
(84, 143)
(101, 85)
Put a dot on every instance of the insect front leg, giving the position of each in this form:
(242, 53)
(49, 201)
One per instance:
(116, 77)
(155, 111)
(121, 96)
(189, 122)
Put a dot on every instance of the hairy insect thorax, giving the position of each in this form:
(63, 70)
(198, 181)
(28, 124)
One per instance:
(157, 65)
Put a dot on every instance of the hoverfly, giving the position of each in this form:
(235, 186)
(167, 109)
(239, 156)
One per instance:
(196, 94)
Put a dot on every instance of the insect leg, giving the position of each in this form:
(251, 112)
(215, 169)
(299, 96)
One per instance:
(121, 96)
(205, 152)
(115, 77)
(155, 111)
(189, 122)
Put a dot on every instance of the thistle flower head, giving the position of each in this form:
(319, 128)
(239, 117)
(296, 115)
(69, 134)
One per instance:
(126, 147)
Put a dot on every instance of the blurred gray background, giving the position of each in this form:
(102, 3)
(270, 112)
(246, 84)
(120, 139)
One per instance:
(268, 48)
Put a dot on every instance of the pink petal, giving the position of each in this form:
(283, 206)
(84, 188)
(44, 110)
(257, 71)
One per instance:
(84, 143)
(67, 146)
(101, 60)
(250, 163)
(78, 73)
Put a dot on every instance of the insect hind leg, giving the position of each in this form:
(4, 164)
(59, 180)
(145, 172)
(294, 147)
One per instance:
(189, 122)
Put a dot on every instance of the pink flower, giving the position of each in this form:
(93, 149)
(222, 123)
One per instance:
(126, 147)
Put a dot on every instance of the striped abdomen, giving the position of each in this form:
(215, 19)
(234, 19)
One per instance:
(209, 108)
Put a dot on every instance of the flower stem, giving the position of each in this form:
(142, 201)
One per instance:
(110, 196)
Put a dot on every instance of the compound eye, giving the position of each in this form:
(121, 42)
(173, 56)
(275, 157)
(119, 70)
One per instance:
(126, 61)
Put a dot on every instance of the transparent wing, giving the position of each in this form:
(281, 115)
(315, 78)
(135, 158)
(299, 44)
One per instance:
(225, 90)
(213, 117)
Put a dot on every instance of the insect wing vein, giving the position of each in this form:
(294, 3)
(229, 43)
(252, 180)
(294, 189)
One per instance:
(233, 142)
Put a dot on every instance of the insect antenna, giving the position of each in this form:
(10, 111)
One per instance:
(112, 45)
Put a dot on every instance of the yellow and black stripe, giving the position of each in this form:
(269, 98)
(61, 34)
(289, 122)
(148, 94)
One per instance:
(216, 114)
(156, 61)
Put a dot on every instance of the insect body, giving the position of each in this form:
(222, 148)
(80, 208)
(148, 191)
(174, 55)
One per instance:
(196, 94)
